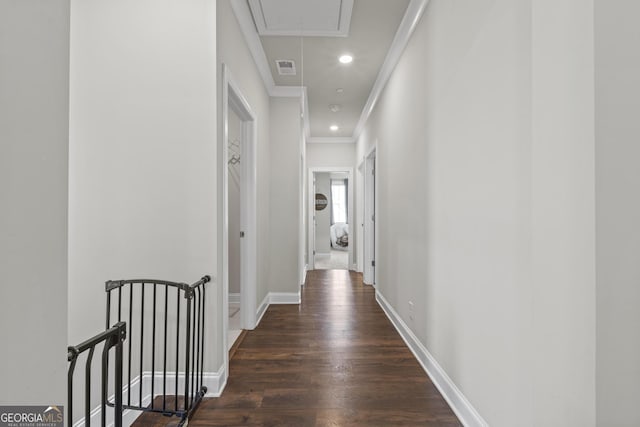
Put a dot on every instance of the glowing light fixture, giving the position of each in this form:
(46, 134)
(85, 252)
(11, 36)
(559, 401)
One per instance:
(346, 59)
(334, 128)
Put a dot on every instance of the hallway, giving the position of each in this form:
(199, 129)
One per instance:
(482, 154)
(333, 360)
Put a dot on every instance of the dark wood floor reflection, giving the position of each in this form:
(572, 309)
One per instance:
(335, 360)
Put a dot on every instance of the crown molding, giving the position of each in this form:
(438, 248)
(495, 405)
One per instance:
(346, 9)
(411, 18)
(245, 20)
(331, 140)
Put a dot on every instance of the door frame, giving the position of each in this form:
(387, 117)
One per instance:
(233, 98)
(311, 209)
(370, 235)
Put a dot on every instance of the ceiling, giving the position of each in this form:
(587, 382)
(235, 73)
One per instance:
(371, 26)
(330, 18)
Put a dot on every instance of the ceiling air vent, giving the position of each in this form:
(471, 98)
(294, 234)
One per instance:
(286, 67)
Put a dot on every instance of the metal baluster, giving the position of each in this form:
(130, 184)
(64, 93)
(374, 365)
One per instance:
(197, 372)
(118, 383)
(177, 346)
(187, 347)
(202, 320)
(164, 367)
(105, 383)
(130, 326)
(72, 356)
(87, 388)
(193, 352)
(120, 304)
(153, 349)
(141, 341)
(108, 308)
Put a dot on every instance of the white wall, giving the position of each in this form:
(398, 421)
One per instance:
(331, 155)
(142, 193)
(284, 200)
(563, 214)
(323, 217)
(34, 120)
(232, 50)
(618, 211)
(484, 204)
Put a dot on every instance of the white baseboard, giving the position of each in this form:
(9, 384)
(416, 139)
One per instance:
(128, 415)
(214, 381)
(463, 409)
(262, 309)
(276, 298)
(284, 297)
(305, 270)
(128, 418)
(234, 298)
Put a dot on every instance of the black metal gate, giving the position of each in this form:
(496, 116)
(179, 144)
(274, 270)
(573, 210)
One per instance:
(111, 338)
(165, 331)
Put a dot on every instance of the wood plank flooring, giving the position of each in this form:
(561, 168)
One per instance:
(335, 360)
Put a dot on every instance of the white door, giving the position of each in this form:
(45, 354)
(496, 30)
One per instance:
(370, 220)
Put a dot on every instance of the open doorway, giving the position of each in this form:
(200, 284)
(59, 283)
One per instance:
(330, 218)
(238, 246)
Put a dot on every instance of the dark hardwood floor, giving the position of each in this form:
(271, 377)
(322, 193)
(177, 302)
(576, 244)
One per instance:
(335, 360)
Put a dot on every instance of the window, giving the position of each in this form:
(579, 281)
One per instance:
(338, 200)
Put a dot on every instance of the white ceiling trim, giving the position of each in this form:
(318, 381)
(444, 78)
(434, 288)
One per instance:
(412, 16)
(243, 15)
(344, 24)
(245, 20)
(409, 22)
(331, 140)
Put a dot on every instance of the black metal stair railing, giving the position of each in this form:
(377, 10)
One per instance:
(173, 315)
(111, 338)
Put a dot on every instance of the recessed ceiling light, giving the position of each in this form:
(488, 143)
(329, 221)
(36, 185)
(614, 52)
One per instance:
(339, 90)
(335, 108)
(334, 128)
(346, 59)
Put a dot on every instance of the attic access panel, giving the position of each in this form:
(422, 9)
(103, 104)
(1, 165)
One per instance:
(325, 18)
